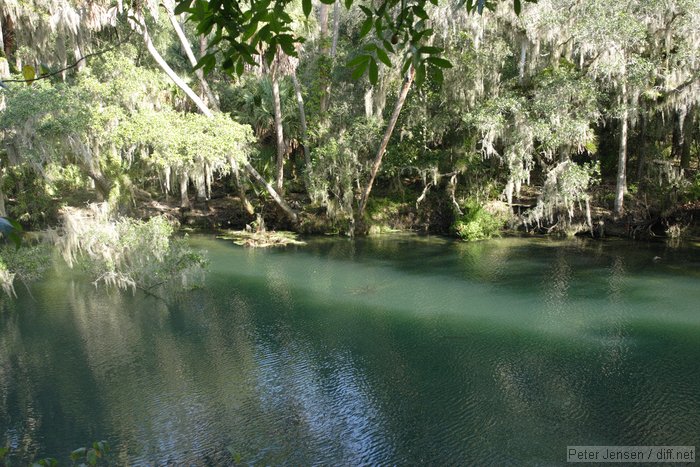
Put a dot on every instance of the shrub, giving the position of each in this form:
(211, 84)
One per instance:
(477, 223)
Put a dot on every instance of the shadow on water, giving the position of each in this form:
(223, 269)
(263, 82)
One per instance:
(365, 352)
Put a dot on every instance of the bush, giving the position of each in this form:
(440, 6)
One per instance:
(477, 223)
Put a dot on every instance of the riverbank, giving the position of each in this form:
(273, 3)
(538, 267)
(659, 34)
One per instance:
(390, 215)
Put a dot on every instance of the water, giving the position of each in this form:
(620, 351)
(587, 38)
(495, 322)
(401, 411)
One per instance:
(389, 350)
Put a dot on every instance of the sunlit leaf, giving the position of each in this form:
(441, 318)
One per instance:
(383, 57)
(28, 72)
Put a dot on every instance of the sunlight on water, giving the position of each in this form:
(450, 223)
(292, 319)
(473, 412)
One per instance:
(384, 350)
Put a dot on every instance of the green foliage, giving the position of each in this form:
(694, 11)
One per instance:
(93, 455)
(477, 223)
(115, 119)
(693, 191)
(338, 165)
(26, 265)
(129, 253)
(566, 188)
(242, 30)
(11, 230)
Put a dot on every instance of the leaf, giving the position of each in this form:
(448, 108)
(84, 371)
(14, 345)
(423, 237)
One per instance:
(28, 72)
(348, 4)
(373, 72)
(306, 7)
(383, 57)
(78, 454)
(182, 6)
(439, 62)
(361, 68)
(406, 65)
(420, 12)
(387, 46)
(366, 26)
(430, 50)
(438, 76)
(517, 7)
(207, 63)
(287, 44)
(92, 457)
(420, 74)
(356, 61)
(328, 2)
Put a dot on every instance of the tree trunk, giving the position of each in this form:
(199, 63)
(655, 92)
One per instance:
(187, 47)
(621, 185)
(523, 58)
(102, 184)
(325, 68)
(205, 110)
(279, 172)
(78, 57)
(239, 183)
(302, 120)
(3, 212)
(2, 40)
(184, 197)
(336, 27)
(278, 199)
(642, 148)
(408, 80)
(685, 129)
(677, 138)
(171, 74)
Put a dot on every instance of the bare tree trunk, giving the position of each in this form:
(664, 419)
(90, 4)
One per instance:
(682, 148)
(102, 184)
(2, 40)
(205, 110)
(278, 199)
(184, 197)
(678, 134)
(279, 172)
(239, 183)
(523, 57)
(78, 57)
(171, 74)
(187, 47)
(302, 120)
(405, 87)
(642, 148)
(3, 212)
(621, 185)
(336, 27)
(324, 70)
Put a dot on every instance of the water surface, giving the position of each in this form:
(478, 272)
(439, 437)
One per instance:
(388, 350)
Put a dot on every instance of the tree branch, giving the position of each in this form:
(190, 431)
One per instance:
(83, 58)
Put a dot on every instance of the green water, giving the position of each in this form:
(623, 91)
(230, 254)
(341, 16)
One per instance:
(390, 350)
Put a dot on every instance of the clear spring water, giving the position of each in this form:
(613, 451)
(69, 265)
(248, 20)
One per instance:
(387, 350)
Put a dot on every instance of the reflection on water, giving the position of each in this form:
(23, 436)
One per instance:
(375, 351)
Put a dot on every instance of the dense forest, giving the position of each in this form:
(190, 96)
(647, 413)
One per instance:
(571, 117)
